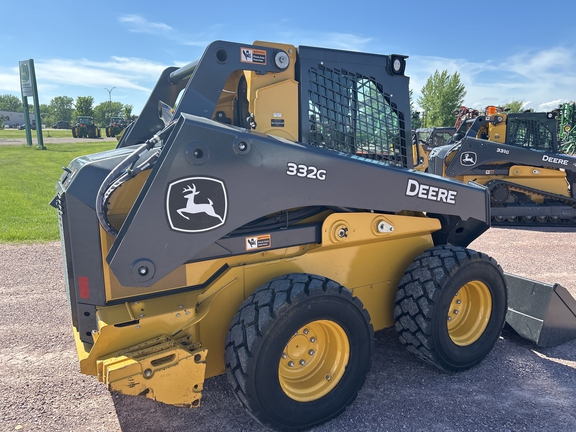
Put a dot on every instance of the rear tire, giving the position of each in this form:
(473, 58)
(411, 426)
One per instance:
(451, 306)
(298, 351)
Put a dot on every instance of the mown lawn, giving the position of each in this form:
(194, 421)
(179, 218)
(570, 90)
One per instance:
(27, 179)
(46, 133)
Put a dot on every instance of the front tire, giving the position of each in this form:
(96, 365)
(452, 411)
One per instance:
(298, 351)
(451, 306)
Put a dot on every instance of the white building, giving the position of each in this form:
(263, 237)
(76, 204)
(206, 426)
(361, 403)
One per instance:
(13, 119)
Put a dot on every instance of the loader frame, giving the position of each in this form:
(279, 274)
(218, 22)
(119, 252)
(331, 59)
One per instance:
(263, 202)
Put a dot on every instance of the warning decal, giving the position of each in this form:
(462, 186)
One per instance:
(250, 55)
(258, 242)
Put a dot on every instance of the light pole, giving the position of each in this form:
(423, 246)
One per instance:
(109, 101)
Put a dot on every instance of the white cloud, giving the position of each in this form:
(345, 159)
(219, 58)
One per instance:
(139, 24)
(9, 80)
(342, 41)
(542, 80)
(127, 73)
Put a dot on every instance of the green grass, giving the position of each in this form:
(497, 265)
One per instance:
(46, 133)
(27, 179)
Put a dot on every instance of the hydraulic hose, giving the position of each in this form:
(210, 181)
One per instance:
(123, 172)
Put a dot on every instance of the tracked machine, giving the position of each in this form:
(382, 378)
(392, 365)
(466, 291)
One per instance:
(518, 158)
(260, 219)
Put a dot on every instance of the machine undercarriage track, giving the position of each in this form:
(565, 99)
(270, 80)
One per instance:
(512, 205)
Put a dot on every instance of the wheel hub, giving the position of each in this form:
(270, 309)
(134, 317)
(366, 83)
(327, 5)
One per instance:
(469, 313)
(314, 360)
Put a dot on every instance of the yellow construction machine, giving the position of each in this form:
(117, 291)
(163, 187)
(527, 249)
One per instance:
(424, 140)
(260, 219)
(517, 156)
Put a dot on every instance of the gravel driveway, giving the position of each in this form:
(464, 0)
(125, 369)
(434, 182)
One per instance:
(518, 387)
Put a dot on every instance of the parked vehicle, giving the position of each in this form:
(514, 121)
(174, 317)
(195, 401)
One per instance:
(85, 128)
(62, 125)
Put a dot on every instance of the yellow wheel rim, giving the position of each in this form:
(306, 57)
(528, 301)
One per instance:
(314, 361)
(469, 313)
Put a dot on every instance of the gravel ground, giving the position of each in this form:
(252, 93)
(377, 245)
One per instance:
(519, 387)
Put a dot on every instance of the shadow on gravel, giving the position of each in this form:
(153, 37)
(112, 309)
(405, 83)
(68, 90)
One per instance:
(516, 388)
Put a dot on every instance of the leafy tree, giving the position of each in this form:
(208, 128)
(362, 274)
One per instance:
(441, 96)
(514, 106)
(62, 108)
(416, 120)
(11, 103)
(105, 110)
(84, 106)
(46, 114)
(415, 115)
(127, 111)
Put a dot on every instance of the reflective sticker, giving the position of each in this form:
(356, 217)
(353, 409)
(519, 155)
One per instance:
(83, 287)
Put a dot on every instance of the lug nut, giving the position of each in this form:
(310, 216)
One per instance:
(328, 377)
(306, 331)
(291, 363)
(148, 373)
(302, 362)
(311, 352)
(284, 355)
(313, 339)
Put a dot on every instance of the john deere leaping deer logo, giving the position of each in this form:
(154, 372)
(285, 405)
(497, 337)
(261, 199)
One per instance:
(193, 208)
(196, 204)
(468, 159)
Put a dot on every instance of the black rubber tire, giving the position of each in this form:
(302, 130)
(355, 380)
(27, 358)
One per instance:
(423, 303)
(259, 334)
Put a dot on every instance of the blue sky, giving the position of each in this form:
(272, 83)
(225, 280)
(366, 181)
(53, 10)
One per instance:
(503, 50)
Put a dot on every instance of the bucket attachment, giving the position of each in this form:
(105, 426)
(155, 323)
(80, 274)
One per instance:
(542, 313)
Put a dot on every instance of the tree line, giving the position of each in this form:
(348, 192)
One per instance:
(441, 97)
(66, 108)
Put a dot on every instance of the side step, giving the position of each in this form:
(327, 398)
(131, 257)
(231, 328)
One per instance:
(542, 313)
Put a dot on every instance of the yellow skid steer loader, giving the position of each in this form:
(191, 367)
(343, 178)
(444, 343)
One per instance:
(261, 219)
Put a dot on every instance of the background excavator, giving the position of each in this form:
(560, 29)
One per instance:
(520, 159)
(260, 219)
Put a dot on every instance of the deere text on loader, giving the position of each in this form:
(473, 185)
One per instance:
(260, 219)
